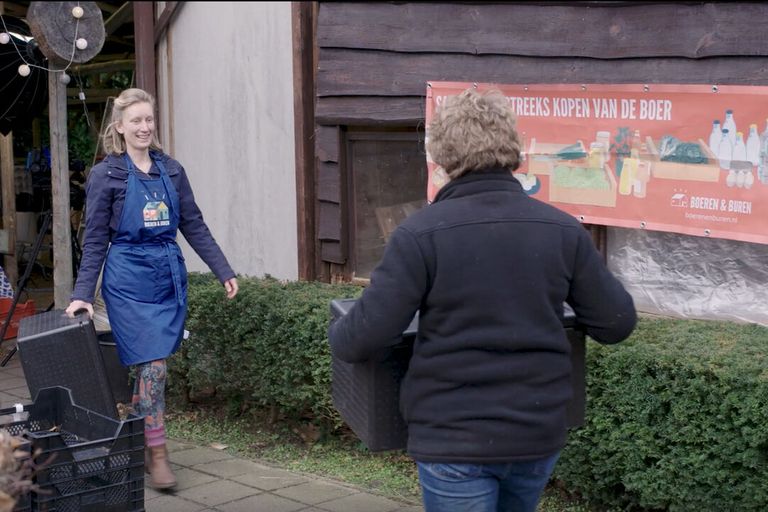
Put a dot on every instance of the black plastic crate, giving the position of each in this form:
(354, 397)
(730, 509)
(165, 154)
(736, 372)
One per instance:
(367, 395)
(23, 504)
(56, 350)
(119, 377)
(90, 462)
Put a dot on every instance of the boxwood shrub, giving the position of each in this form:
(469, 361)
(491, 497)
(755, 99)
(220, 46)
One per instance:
(677, 419)
(677, 416)
(268, 347)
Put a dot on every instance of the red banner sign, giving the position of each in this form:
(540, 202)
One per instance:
(687, 159)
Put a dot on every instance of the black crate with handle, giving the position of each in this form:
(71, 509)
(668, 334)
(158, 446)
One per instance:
(367, 395)
(56, 350)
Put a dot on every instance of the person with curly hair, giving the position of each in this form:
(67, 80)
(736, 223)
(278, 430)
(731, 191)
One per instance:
(488, 269)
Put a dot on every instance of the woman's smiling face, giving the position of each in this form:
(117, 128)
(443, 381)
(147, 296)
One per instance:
(137, 126)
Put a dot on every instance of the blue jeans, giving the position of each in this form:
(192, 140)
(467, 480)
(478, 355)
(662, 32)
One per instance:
(509, 487)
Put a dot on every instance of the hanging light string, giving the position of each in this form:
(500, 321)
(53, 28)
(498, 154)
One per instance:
(77, 43)
(81, 97)
(24, 69)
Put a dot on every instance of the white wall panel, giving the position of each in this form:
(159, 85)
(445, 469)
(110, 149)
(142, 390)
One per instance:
(225, 89)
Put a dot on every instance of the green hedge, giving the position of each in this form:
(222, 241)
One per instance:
(677, 416)
(268, 347)
(677, 419)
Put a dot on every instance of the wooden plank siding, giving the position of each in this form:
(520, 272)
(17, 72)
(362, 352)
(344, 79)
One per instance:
(370, 110)
(380, 73)
(374, 60)
(329, 182)
(331, 220)
(642, 30)
(327, 143)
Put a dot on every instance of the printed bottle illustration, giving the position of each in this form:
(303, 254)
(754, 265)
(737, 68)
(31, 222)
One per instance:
(642, 177)
(597, 155)
(739, 161)
(725, 151)
(739, 151)
(637, 145)
(753, 145)
(730, 125)
(604, 138)
(627, 177)
(715, 136)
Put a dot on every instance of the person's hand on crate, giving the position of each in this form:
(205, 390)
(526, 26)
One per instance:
(78, 305)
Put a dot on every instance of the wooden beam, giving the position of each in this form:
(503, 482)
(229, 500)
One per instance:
(62, 226)
(125, 41)
(73, 92)
(144, 28)
(10, 265)
(13, 9)
(89, 100)
(105, 6)
(164, 21)
(303, 113)
(8, 184)
(169, 122)
(117, 19)
(104, 67)
(107, 57)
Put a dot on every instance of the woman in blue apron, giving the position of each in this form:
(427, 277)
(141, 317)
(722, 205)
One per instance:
(137, 199)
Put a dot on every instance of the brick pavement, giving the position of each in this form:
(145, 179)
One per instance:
(215, 481)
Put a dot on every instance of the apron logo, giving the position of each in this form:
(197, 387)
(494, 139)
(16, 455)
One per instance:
(156, 214)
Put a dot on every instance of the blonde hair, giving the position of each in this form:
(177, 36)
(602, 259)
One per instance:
(112, 140)
(474, 131)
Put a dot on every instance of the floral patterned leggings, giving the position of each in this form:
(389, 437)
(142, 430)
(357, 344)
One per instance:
(149, 400)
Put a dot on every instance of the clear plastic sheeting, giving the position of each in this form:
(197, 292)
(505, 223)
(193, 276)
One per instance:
(691, 277)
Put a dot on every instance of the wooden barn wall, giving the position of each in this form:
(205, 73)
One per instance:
(374, 59)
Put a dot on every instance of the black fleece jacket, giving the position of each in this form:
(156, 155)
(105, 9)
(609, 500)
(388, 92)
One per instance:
(489, 269)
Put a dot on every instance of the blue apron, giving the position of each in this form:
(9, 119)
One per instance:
(144, 284)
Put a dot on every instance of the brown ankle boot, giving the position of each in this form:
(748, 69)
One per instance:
(160, 474)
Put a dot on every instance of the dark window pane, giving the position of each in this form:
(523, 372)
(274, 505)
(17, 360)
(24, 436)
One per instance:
(389, 176)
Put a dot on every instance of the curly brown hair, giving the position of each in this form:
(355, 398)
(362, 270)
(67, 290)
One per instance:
(474, 131)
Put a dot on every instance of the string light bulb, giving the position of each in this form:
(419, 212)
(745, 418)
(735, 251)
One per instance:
(81, 43)
(64, 78)
(5, 38)
(24, 70)
(77, 12)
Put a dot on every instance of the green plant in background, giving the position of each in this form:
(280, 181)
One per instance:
(118, 79)
(81, 142)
